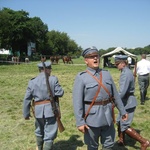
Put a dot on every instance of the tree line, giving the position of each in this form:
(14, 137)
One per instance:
(17, 29)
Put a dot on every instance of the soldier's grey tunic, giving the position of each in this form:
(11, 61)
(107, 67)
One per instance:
(85, 88)
(126, 92)
(44, 115)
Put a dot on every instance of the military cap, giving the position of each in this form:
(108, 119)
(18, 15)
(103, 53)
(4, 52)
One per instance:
(120, 58)
(89, 51)
(47, 65)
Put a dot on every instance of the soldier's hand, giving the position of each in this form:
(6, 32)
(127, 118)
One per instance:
(83, 128)
(125, 117)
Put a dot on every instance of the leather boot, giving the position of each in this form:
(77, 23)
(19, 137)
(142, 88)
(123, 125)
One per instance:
(145, 93)
(133, 134)
(121, 136)
(48, 146)
(142, 98)
(39, 141)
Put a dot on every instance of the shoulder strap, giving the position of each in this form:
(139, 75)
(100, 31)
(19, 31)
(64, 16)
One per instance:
(98, 90)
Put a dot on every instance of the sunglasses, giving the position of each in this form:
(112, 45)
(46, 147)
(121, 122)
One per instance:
(92, 56)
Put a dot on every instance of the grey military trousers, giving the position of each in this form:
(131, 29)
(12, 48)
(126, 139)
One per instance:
(46, 128)
(143, 81)
(127, 123)
(105, 134)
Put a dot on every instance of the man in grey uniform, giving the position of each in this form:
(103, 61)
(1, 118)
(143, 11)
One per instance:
(143, 70)
(45, 121)
(126, 92)
(92, 100)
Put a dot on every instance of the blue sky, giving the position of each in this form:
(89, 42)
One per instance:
(100, 23)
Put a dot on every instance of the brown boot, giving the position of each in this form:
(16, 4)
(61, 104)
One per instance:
(133, 134)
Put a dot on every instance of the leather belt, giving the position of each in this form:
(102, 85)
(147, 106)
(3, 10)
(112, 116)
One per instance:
(103, 102)
(42, 102)
(145, 74)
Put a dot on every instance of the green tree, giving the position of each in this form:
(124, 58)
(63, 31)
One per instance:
(147, 49)
(59, 43)
(17, 29)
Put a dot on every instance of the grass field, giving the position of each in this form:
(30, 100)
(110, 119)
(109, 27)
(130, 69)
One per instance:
(18, 134)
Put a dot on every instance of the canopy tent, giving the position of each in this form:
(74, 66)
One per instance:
(117, 51)
(4, 52)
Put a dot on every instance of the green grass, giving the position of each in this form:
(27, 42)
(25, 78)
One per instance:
(18, 134)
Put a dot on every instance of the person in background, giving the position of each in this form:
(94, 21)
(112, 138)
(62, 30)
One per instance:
(126, 92)
(45, 121)
(93, 93)
(129, 62)
(27, 59)
(143, 70)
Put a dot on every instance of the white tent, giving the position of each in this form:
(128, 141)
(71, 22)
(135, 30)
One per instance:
(117, 51)
(4, 51)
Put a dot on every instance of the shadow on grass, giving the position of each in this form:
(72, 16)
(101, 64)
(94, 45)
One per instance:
(129, 142)
(71, 144)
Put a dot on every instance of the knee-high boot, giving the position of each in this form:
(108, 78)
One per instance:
(142, 97)
(133, 134)
(39, 141)
(121, 136)
(145, 93)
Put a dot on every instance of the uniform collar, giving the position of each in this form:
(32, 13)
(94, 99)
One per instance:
(93, 71)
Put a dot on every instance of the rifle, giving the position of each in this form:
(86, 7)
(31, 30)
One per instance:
(55, 107)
